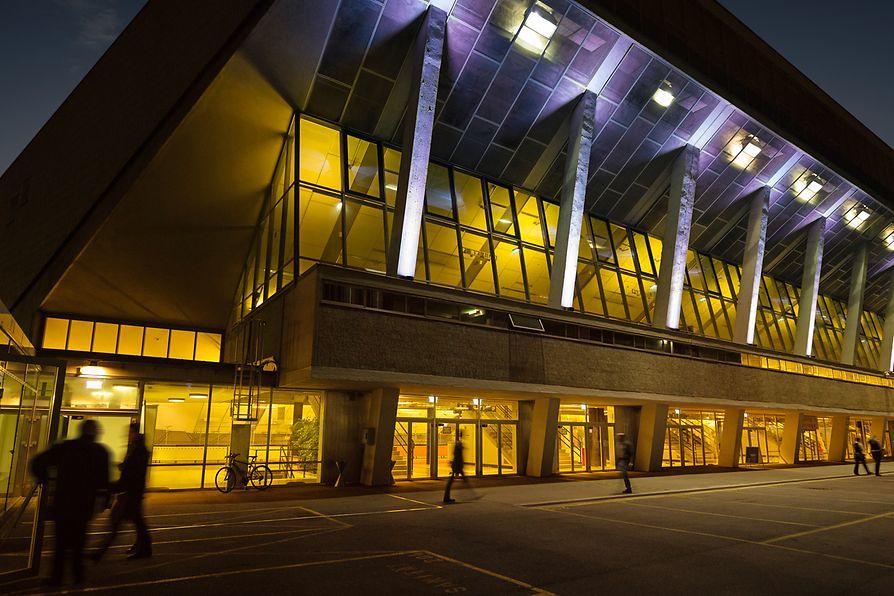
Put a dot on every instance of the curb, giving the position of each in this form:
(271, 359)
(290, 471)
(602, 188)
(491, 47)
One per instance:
(680, 491)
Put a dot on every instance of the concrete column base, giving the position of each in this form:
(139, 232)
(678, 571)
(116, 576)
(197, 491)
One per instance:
(650, 438)
(731, 437)
(378, 436)
(542, 441)
(341, 424)
(838, 438)
(791, 438)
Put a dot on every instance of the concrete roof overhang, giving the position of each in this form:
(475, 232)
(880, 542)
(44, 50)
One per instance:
(173, 245)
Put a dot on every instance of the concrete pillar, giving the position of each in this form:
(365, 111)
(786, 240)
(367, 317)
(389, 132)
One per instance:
(752, 266)
(855, 305)
(886, 353)
(731, 437)
(418, 126)
(791, 438)
(813, 263)
(877, 429)
(581, 131)
(675, 241)
(837, 446)
(542, 441)
(650, 438)
(378, 436)
(341, 426)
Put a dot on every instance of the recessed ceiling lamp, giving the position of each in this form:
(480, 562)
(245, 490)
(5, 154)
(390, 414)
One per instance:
(176, 400)
(807, 186)
(197, 396)
(857, 216)
(889, 240)
(663, 95)
(91, 370)
(538, 28)
(745, 154)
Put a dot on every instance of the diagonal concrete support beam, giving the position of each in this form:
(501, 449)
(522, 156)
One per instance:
(417, 134)
(571, 208)
(813, 264)
(676, 239)
(855, 304)
(752, 266)
(886, 354)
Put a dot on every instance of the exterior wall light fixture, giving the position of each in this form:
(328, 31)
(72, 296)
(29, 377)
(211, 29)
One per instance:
(538, 28)
(663, 95)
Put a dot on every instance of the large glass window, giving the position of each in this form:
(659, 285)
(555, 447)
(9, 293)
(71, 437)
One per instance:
(320, 159)
(175, 419)
(365, 225)
(476, 255)
(130, 340)
(470, 201)
(443, 255)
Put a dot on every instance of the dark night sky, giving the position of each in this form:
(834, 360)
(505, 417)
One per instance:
(47, 46)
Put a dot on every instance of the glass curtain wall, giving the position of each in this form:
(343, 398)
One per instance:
(428, 426)
(762, 432)
(692, 437)
(332, 197)
(188, 426)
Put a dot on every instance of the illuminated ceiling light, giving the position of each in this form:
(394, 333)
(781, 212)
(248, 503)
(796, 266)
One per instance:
(744, 155)
(123, 387)
(476, 401)
(889, 241)
(663, 95)
(432, 399)
(583, 407)
(94, 384)
(197, 396)
(176, 400)
(538, 28)
(91, 371)
(857, 216)
(807, 186)
(677, 412)
(751, 148)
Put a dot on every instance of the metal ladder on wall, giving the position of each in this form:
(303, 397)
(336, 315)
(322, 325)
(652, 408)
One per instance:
(247, 381)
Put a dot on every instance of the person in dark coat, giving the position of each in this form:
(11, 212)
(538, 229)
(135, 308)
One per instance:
(859, 458)
(875, 448)
(129, 502)
(623, 461)
(456, 469)
(80, 468)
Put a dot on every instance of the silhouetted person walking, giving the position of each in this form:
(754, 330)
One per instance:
(859, 458)
(456, 468)
(623, 460)
(875, 448)
(129, 502)
(81, 471)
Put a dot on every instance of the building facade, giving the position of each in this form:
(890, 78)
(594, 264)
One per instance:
(336, 236)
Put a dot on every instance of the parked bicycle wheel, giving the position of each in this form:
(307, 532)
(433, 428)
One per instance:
(261, 477)
(225, 479)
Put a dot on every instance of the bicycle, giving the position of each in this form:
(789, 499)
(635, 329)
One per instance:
(260, 476)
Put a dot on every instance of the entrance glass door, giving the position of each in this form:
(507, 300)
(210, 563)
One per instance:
(410, 452)
(30, 394)
(497, 443)
(571, 447)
